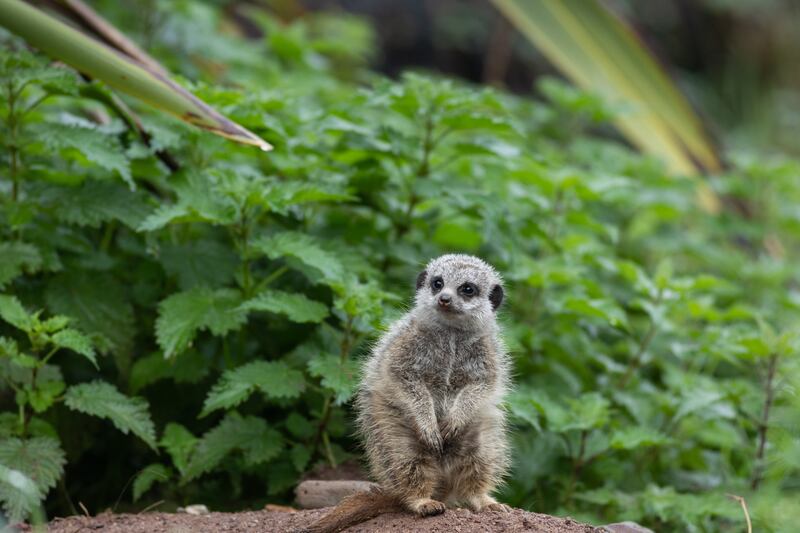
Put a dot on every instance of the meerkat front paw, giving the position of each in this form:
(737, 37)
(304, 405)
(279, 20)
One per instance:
(449, 430)
(426, 507)
(433, 440)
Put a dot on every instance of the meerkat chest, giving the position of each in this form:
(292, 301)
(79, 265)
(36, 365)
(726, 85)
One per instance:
(451, 363)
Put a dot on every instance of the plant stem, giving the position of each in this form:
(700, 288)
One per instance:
(644, 344)
(763, 425)
(13, 152)
(423, 170)
(327, 406)
(577, 465)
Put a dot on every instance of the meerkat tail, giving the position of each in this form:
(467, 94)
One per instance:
(355, 509)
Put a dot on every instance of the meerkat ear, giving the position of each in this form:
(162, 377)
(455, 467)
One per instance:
(496, 297)
(421, 279)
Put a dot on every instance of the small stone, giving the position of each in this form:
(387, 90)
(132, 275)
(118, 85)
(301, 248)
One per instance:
(275, 508)
(195, 509)
(626, 527)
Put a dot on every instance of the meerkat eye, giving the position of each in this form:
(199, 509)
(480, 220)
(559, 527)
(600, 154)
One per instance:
(437, 283)
(468, 289)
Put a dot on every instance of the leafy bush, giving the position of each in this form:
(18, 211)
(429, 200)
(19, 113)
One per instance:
(199, 330)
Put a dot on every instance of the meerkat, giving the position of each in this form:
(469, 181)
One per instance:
(428, 406)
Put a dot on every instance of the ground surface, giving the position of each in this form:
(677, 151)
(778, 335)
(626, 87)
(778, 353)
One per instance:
(460, 521)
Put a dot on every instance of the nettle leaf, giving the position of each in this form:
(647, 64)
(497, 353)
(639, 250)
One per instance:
(11, 311)
(274, 379)
(17, 258)
(18, 494)
(251, 435)
(603, 309)
(150, 475)
(183, 314)
(300, 455)
(98, 304)
(633, 437)
(198, 201)
(336, 374)
(95, 202)
(190, 367)
(103, 400)
(103, 149)
(303, 248)
(205, 262)
(179, 443)
(44, 395)
(296, 307)
(76, 341)
(39, 460)
(280, 196)
(522, 407)
(299, 426)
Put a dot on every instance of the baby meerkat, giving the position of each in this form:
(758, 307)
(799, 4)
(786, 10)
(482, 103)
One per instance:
(429, 402)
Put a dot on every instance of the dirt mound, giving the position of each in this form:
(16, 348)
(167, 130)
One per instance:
(459, 520)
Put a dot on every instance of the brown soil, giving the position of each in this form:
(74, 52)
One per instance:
(459, 520)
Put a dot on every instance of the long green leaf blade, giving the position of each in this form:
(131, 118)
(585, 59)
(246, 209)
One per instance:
(598, 52)
(97, 60)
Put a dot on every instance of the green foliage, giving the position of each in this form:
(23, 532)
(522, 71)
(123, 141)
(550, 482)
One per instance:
(30, 468)
(103, 400)
(220, 312)
(149, 476)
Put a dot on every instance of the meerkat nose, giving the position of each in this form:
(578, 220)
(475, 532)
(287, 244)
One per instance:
(445, 299)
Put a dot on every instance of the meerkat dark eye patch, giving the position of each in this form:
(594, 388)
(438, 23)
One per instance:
(437, 284)
(468, 290)
(421, 279)
(496, 296)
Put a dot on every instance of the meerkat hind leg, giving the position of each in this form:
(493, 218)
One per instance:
(416, 482)
(484, 502)
(473, 478)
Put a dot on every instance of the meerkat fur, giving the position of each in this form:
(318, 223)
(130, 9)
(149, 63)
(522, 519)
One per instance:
(428, 406)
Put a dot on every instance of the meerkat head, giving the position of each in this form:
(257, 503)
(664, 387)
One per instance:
(459, 291)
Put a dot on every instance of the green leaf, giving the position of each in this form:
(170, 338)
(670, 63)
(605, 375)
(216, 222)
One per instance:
(179, 443)
(98, 304)
(296, 307)
(303, 248)
(275, 379)
(95, 202)
(44, 395)
(199, 200)
(103, 149)
(18, 493)
(252, 435)
(151, 474)
(300, 455)
(337, 375)
(204, 262)
(633, 437)
(16, 258)
(459, 233)
(299, 426)
(522, 407)
(183, 314)
(11, 311)
(604, 309)
(103, 400)
(77, 342)
(40, 460)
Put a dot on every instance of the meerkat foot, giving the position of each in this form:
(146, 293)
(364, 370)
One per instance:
(426, 507)
(483, 503)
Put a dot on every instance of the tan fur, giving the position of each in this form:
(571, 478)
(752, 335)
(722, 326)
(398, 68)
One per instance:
(429, 402)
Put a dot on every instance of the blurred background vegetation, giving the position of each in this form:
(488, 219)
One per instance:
(183, 316)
